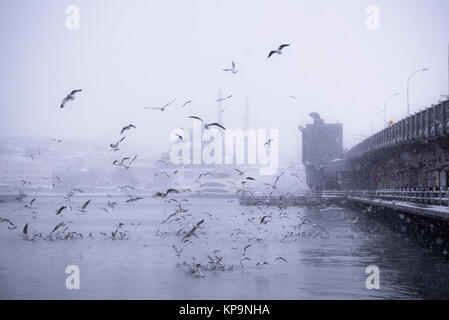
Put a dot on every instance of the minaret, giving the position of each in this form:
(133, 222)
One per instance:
(246, 119)
(220, 119)
(219, 108)
(246, 126)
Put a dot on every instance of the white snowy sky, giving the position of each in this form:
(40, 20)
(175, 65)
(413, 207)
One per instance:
(135, 53)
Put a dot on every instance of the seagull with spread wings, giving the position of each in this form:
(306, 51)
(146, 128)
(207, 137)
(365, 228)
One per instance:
(186, 103)
(279, 50)
(84, 207)
(244, 257)
(205, 174)
(225, 98)
(268, 143)
(178, 251)
(62, 208)
(128, 127)
(114, 146)
(110, 207)
(192, 231)
(208, 125)
(129, 164)
(134, 199)
(240, 172)
(165, 194)
(121, 162)
(232, 70)
(70, 97)
(163, 107)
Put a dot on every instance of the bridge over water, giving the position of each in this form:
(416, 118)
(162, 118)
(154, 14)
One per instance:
(410, 155)
(403, 167)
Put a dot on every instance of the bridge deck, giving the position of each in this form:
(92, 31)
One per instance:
(429, 203)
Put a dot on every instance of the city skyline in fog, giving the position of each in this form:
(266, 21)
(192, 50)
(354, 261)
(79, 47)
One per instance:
(131, 55)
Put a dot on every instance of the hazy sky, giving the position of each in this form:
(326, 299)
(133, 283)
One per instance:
(131, 54)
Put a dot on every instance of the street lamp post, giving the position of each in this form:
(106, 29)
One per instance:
(408, 88)
(385, 107)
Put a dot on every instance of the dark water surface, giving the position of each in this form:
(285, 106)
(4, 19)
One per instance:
(326, 253)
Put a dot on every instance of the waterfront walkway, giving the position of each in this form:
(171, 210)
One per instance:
(429, 203)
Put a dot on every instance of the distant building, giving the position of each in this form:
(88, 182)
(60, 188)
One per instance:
(321, 143)
(18, 170)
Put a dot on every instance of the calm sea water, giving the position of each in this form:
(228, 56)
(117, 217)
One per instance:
(326, 253)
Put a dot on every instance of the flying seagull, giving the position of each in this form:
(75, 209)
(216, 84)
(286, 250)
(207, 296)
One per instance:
(110, 207)
(280, 258)
(134, 199)
(178, 251)
(192, 231)
(124, 187)
(120, 163)
(240, 172)
(128, 127)
(233, 69)
(264, 219)
(261, 264)
(225, 98)
(278, 51)
(186, 103)
(180, 138)
(59, 211)
(25, 229)
(58, 226)
(268, 143)
(132, 160)
(70, 97)
(83, 208)
(30, 205)
(207, 125)
(163, 107)
(6, 220)
(165, 194)
(205, 174)
(244, 257)
(114, 146)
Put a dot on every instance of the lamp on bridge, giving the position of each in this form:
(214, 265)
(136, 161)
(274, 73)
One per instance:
(385, 107)
(408, 87)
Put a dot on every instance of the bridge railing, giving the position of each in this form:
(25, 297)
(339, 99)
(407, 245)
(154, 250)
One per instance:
(431, 122)
(423, 197)
(426, 197)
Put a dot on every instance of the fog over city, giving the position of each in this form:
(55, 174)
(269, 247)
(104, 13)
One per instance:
(224, 149)
(135, 54)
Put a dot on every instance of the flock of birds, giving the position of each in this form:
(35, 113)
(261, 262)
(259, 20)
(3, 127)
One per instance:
(254, 229)
(207, 125)
(189, 227)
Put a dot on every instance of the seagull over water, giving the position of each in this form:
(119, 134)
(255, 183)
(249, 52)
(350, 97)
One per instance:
(165, 194)
(84, 207)
(240, 172)
(70, 97)
(279, 50)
